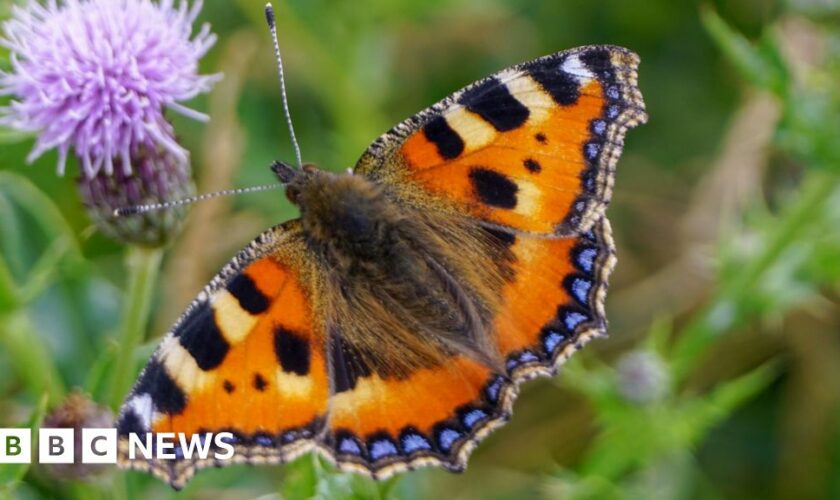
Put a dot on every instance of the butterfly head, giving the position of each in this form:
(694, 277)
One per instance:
(344, 213)
(294, 178)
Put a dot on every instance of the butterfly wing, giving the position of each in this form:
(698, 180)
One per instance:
(553, 304)
(532, 148)
(433, 416)
(248, 357)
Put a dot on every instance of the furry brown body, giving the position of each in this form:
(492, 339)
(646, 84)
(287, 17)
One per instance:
(426, 284)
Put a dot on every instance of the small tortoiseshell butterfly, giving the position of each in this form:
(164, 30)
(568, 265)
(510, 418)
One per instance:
(390, 326)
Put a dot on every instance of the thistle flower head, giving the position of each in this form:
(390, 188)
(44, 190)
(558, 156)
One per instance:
(97, 75)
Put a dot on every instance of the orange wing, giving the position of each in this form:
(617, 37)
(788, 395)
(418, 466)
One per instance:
(554, 303)
(248, 357)
(382, 425)
(532, 148)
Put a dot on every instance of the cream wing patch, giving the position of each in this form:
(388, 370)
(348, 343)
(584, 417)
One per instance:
(528, 197)
(527, 91)
(295, 386)
(182, 366)
(473, 130)
(233, 321)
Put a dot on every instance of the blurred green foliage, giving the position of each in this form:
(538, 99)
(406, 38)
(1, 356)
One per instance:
(722, 375)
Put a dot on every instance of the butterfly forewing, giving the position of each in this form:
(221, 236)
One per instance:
(529, 149)
(248, 357)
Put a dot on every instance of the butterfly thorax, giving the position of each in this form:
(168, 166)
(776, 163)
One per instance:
(347, 219)
(400, 284)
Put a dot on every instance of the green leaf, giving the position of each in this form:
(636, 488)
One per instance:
(97, 381)
(310, 477)
(761, 63)
(571, 486)
(32, 200)
(729, 307)
(11, 241)
(30, 357)
(300, 479)
(9, 298)
(704, 413)
(635, 435)
(19, 282)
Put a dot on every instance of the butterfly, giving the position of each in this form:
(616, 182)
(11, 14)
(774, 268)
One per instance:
(390, 326)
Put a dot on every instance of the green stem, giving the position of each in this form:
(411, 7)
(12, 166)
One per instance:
(797, 220)
(143, 267)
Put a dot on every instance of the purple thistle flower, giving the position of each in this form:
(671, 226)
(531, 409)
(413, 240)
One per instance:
(96, 75)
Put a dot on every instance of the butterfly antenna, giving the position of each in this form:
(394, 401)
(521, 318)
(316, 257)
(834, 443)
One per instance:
(272, 26)
(142, 209)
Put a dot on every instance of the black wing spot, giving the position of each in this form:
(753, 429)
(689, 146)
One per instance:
(228, 386)
(532, 165)
(541, 138)
(493, 101)
(130, 423)
(249, 296)
(166, 396)
(292, 351)
(493, 188)
(449, 143)
(562, 86)
(201, 337)
(598, 61)
(259, 382)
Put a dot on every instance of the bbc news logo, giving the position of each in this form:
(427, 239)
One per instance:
(99, 446)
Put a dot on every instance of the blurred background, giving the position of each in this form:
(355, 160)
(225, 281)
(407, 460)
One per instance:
(721, 375)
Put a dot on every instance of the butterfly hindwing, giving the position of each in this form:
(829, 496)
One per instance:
(532, 148)
(248, 357)
(553, 304)
(434, 416)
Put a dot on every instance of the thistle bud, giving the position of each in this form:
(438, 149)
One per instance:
(77, 412)
(642, 377)
(156, 176)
